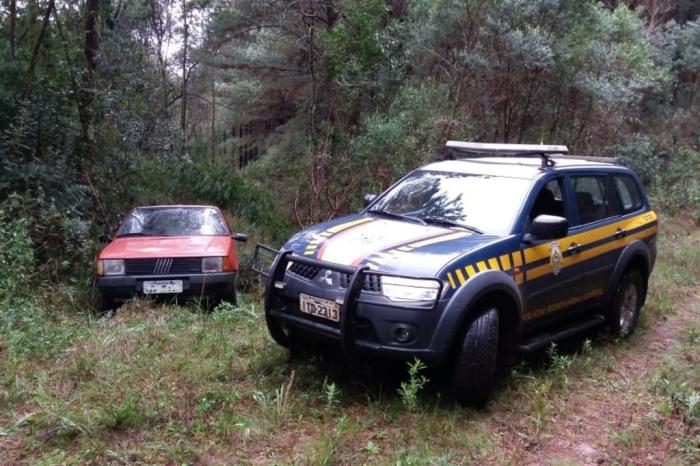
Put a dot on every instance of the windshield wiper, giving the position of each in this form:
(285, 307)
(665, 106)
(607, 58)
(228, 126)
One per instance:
(444, 221)
(133, 234)
(396, 216)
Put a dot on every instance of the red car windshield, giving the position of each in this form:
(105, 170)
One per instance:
(174, 221)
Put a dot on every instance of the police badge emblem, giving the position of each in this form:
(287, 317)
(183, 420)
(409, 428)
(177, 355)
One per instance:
(555, 257)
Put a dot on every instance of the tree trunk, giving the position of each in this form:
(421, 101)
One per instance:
(92, 37)
(183, 103)
(91, 49)
(83, 99)
(213, 118)
(160, 23)
(40, 39)
(399, 9)
(331, 14)
(13, 27)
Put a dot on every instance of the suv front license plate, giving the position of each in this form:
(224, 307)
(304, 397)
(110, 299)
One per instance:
(319, 307)
(162, 286)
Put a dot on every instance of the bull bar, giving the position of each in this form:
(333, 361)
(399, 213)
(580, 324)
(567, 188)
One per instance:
(274, 283)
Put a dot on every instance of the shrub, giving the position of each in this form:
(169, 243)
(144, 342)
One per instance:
(670, 176)
(409, 390)
(30, 329)
(61, 237)
(217, 183)
(16, 256)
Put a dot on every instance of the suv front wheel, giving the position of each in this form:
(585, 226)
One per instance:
(475, 366)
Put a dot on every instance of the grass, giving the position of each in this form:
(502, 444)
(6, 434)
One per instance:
(161, 384)
(678, 383)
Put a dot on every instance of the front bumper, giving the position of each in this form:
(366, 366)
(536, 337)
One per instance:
(120, 288)
(370, 324)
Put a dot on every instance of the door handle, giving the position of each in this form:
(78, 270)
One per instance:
(620, 233)
(574, 248)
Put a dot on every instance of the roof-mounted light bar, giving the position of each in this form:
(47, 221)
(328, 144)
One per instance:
(505, 149)
(513, 150)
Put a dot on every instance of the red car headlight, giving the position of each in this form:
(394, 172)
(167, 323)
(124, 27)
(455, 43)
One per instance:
(212, 264)
(110, 267)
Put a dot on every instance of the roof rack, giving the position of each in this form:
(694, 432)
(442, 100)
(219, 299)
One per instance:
(590, 158)
(512, 150)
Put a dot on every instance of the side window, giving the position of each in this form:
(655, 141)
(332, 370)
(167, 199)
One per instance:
(549, 201)
(592, 199)
(627, 190)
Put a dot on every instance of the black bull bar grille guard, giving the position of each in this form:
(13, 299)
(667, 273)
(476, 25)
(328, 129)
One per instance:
(274, 283)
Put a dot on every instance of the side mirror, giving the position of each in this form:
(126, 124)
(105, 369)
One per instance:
(369, 198)
(549, 227)
(242, 237)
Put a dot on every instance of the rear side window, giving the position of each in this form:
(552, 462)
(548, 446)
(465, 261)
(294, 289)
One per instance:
(592, 198)
(628, 191)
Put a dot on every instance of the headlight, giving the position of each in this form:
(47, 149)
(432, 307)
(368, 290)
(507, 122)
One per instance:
(409, 289)
(212, 264)
(112, 267)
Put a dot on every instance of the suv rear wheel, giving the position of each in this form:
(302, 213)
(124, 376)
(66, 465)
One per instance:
(474, 373)
(623, 314)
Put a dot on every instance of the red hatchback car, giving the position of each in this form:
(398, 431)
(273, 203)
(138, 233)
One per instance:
(176, 251)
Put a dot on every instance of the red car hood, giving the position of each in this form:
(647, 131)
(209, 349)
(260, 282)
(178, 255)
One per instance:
(170, 246)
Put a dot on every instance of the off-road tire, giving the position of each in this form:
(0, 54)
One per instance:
(229, 293)
(474, 372)
(623, 313)
(283, 336)
(105, 305)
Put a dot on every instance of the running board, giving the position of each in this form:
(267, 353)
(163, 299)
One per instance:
(544, 339)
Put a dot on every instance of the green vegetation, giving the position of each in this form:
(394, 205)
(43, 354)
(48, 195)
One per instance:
(330, 99)
(327, 100)
(410, 389)
(678, 382)
(160, 383)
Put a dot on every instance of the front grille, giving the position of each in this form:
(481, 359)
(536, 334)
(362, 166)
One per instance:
(372, 282)
(185, 265)
(304, 270)
(163, 266)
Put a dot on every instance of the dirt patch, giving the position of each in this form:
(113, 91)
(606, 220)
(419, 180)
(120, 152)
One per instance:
(615, 421)
(11, 449)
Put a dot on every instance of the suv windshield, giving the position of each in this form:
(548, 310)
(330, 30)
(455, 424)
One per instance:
(482, 202)
(174, 221)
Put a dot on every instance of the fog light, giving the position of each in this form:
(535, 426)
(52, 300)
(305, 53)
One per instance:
(403, 333)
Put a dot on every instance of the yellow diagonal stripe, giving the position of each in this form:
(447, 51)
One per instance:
(470, 271)
(505, 261)
(451, 280)
(460, 276)
(345, 226)
(517, 259)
